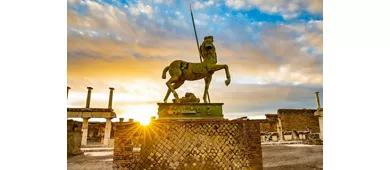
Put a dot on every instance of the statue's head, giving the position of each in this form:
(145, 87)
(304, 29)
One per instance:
(208, 42)
(209, 38)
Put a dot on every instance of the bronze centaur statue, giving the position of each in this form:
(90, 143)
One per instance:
(181, 71)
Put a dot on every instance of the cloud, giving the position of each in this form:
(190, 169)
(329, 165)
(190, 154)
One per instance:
(273, 65)
(236, 4)
(314, 6)
(162, 1)
(289, 9)
(134, 11)
(141, 8)
(200, 4)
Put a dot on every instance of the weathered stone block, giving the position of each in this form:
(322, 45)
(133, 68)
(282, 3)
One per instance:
(73, 138)
(288, 137)
(274, 138)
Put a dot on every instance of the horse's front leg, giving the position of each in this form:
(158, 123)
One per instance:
(220, 67)
(207, 81)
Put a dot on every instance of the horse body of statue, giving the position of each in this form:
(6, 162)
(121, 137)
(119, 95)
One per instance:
(180, 70)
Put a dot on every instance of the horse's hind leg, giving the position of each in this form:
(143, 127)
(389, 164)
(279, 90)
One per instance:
(170, 87)
(178, 84)
(175, 86)
(167, 95)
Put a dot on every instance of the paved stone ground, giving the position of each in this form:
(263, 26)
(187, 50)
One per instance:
(275, 157)
(101, 160)
(291, 157)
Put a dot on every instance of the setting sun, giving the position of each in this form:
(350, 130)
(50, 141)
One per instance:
(144, 121)
(141, 113)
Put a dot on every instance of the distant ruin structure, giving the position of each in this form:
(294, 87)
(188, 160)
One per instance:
(87, 113)
(293, 124)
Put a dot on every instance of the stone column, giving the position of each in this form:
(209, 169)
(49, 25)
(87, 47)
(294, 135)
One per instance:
(85, 132)
(107, 131)
(88, 97)
(280, 130)
(317, 100)
(110, 99)
(67, 91)
(319, 114)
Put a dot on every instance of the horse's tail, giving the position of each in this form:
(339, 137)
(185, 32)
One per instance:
(164, 75)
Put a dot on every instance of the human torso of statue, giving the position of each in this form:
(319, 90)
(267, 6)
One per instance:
(208, 52)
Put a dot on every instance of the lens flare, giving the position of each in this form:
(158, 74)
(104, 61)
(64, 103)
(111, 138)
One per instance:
(144, 121)
(141, 113)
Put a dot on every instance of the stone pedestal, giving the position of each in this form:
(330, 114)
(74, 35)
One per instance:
(190, 111)
(188, 135)
(107, 132)
(188, 144)
(85, 132)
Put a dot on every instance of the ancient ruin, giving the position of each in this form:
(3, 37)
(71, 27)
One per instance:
(87, 113)
(293, 125)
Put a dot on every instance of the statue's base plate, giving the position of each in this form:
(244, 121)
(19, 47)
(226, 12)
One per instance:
(190, 111)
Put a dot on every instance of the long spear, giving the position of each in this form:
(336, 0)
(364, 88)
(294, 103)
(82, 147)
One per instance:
(196, 35)
(197, 43)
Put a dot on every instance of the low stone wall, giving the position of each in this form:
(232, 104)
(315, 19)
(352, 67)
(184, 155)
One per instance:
(269, 136)
(188, 144)
(73, 138)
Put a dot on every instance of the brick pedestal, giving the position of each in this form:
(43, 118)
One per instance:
(188, 144)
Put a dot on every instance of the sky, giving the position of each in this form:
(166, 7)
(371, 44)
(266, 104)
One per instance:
(273, 49)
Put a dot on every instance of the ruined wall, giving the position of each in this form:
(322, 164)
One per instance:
(271, 117)
(74, 137)
(189, 144)
(299, 120)
(267, 126)
(96, 131)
